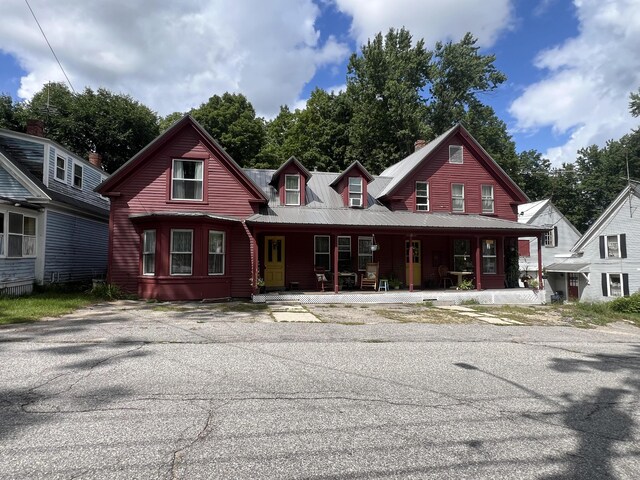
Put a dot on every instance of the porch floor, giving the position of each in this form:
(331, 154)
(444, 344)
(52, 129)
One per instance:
(510, 296)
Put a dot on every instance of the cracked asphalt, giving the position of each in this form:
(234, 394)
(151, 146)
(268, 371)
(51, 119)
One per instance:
(137, 391)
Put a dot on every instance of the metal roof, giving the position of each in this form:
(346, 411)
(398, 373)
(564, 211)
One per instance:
(384, 218)
(563, 267)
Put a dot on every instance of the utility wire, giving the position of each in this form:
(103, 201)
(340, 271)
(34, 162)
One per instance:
(50, 47)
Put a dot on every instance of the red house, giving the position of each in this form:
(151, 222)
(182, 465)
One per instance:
(188, 223)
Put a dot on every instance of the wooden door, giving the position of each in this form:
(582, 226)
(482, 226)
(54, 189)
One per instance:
(573, 281)
(417, 266)
(273, 262)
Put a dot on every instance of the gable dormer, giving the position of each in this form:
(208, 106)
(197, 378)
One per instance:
(352, 185)
(291, 181)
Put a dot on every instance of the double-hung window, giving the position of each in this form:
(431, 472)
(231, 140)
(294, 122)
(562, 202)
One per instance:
(422, 196)
(149, 252)
(344, 254)
(187, 179)
(487, 199)
(614, 284)
(77, 175)
(216, 253)
(22, 236)
(613, 246)
(462, 255)
(365, 254)
(457, 197)
(489, 256)
(322, 255)
(61, 169)
(292, 189)
(455, 154)
(547, 238)
(181, 252)
(355, 191)
(1, 234)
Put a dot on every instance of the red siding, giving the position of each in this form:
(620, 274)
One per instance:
(147, 190)
(291, 170)
(524, 248)
(441, 174)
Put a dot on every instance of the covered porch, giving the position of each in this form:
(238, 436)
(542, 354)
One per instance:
(512, 296)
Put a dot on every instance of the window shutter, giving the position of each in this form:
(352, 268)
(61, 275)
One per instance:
(555, 236)
(605, 290)
(623, 245)
(601, 246)
(625, 284)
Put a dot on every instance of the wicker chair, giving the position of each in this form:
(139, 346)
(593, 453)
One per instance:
(443, 273)
(321, 277)
(369, 279)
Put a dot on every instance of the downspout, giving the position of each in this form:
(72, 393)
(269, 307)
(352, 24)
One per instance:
(253, 253)
(478, 267)
(335, 264)
(540, 284)
(411, 262)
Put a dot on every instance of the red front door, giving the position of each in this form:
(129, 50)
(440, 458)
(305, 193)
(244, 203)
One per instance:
(573, 286)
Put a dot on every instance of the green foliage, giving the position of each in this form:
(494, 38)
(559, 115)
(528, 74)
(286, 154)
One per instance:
(533, 175)
(384, 89)
(232, 121)
(8, 112)
(629, 304)
(466, 284)
(470, 301)
(39, 305)
(114, 125)
(165, 122)
(108, 291)
(634, 103)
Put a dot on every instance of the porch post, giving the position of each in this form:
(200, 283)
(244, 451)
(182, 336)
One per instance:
(478, 265)
(253, 254)
(335, 263)
(540, 285)
(411, 263)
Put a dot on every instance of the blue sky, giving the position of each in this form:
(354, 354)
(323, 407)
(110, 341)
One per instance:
(570, 64)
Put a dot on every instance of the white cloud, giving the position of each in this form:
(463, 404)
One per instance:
(172, 55)
(432, 20)
(589, 78)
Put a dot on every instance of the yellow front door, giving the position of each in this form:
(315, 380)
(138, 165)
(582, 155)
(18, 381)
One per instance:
(273, 262)
(417, 267)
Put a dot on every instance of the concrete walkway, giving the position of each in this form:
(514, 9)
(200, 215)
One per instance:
(485, 317)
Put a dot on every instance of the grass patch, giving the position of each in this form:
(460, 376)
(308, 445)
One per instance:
(48, 304)
(470, 301)
(243, 307)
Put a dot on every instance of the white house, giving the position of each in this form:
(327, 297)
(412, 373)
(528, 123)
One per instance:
(556, 246)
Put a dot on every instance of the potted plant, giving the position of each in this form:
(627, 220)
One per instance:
(260, 284)
(466, 284)
(394, 282)
(533, 283)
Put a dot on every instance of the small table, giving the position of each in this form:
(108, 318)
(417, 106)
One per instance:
(460, 275)
(347, 279)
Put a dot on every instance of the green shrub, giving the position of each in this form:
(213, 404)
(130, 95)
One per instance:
(466, 284)
(629, 304)
(107, 291)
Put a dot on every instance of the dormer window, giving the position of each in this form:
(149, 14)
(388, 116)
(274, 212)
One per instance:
(292, 189)
(455, 154)
(61, 169)
(187, 178)
(77, 175)
(355, 191)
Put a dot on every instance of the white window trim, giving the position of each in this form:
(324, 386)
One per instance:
(342, 237)
(154, 253)
(294, 190)
(452, 154)
(3, 234)
(452, 198)
(7, 234)
(73, 176)
(171, 252)
(548, 240)
(483, 198)
(422, 196)
(495, 246)
(55, 169)
(609, 284)
(368, 254)
(223, 253)
(606, 247)
(316, 253)
(173, 169)
(354, 194)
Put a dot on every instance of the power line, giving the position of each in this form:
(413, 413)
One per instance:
(50, 47)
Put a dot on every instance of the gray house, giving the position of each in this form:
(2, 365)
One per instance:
(53, 226)
(605, 262)
(556, 247)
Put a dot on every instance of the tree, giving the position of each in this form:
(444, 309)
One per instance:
(165, 122)
(232, 121)
(114, 125)
(458, 74)
(384, 88)
(8, 113)
(534, 175)
(634, 103)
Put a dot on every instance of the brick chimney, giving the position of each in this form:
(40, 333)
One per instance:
(35, 128)
(418, 145)
(95, 159)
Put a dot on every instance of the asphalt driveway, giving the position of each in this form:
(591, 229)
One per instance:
(135, 390)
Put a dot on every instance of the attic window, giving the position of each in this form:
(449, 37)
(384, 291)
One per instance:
(292, 189)
(355, 191)
(455, 154)
(77, 176)
(422, 196)
(187, 179)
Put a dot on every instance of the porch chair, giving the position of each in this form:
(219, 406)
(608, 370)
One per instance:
(443, 273)
(369, 278)
(321, 277)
